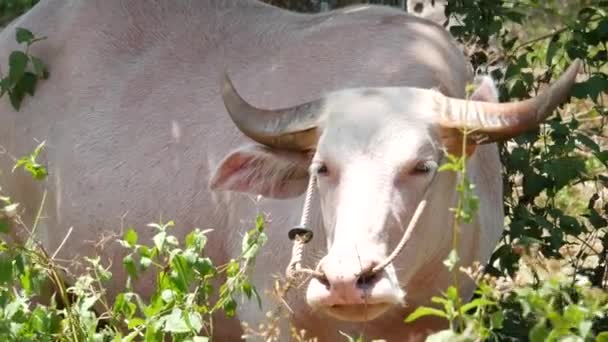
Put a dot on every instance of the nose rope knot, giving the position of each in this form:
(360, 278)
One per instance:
(301, 235)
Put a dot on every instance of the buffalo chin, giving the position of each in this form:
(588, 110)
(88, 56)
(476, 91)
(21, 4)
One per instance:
(357, 312)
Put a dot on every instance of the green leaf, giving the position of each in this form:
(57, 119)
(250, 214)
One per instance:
(551, 50)
(230, 307)
(452, 259)
(585, 328)
(88, 302)
(135, 322)
(194, 321)
(595, 219)
(17, 62)
(159, 240)
(16, 97)
(350, 338)
(23, 35)
(475, 303)
(440, 300)
(497, 319)
(145, 262)
(4, 225)
(539, 332)
(28, 83)
(183, 272)
(570, 225)
(172, 240)
(443, 336)
(5, 85)
(257, 297)
(247, 289)
(123, 306)
(424, 311)
(534, 184)
(6, 269)
(592, 87)
(602, 337)
(233, 268)
(196, 239)
(452, 294)
(585, 140)
(204, 266)
(29, 163)
(129, 266)
(175, 323)
(259, 223)
(564, 169)
(39, 67)
(131, 236)
(167, 295)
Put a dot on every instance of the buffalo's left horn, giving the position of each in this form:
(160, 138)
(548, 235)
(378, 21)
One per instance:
(292, 128)
(490, 122)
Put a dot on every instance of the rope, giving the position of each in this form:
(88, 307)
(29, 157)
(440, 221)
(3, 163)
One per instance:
(301, 235)
(310, 190)
(408, 231)
(404, 238)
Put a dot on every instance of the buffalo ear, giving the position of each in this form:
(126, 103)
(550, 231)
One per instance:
(262, 171)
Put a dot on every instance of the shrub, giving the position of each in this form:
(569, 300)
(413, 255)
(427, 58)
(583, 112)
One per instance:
(182, 305)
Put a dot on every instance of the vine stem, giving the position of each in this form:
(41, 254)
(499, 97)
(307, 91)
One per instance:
(537, 39)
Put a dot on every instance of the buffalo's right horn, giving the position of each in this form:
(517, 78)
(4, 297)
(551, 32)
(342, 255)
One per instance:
(292, 128)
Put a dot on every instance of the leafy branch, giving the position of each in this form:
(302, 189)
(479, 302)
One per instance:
(24, 70)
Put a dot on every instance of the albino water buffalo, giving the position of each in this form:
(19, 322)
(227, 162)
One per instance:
(140, 122)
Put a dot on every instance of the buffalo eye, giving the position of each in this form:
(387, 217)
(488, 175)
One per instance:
(423, 167)
(322, 169)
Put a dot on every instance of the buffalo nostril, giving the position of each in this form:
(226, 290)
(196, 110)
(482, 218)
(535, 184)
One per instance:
(418, 7)
(323, 280)
(367, 280)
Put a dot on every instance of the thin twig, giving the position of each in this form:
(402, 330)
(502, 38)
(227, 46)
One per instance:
(38, 214)
(537, 39)
(62, 243)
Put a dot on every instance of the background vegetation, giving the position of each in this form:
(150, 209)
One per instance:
(10, 9)
(547, 280)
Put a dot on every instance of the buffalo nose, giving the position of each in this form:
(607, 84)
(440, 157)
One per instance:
(348, 280)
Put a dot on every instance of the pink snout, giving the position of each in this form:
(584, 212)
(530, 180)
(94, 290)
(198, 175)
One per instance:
(346, 282)
(350, 291)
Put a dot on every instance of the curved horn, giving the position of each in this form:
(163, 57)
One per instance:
(292, 128)
(490, 122)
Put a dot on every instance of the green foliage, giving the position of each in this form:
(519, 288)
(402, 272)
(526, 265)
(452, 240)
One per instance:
(182, 305)
(10, 9)
(567, 155)
(553, 181)
(556, 309)
(469, 202)
(352, 339)
(562, 309)
(24, 70)
(31, 165)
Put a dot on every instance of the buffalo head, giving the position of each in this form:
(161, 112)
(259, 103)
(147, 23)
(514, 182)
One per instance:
(373, 151)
